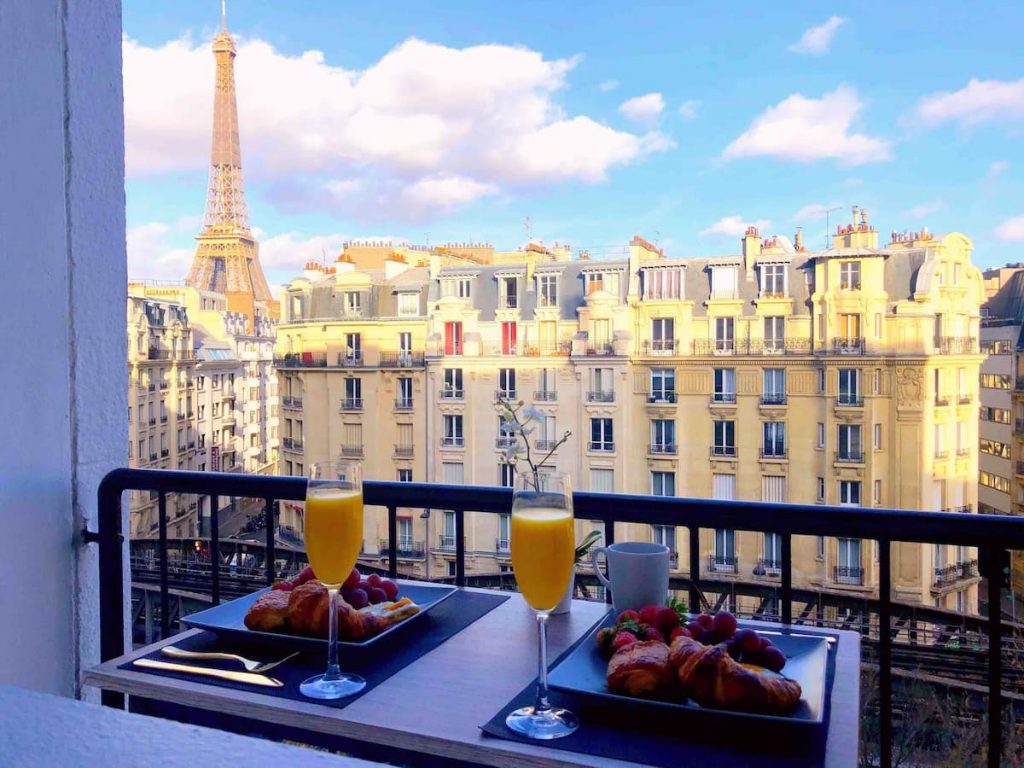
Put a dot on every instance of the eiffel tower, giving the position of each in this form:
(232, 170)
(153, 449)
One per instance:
(227, 256)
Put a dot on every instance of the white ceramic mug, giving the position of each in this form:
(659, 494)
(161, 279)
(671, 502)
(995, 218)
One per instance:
(637, 573)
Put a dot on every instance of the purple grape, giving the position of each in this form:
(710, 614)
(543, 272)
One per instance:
(359, 599)
(377, 595)
(772, 658)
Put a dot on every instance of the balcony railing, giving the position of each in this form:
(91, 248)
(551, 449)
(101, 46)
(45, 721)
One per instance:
(752, 347)
(990, 533)
(403, 404)
(350, 359)
(849, 456)
(773, 452)
(401, 359)
(450, 393)
(545, 396)
(723, 563)
(941, 401)
(403, 451)
(351, 451)
(848, 574)
(502, 546)
(660, 347)
(407, 548)
(452, 442)
(545, 445)
(850, 400)
(164, 453)
(728, 451)
(958, 345)
(352, 404)
(848, 346)
(291, 402)
(446, 542)
(773, 398)
(508, 301)
(601, 348)
(663, 448)
(504, 394)
(964, 399)
(606, 446)
(952, 574)
(662, 397)
(723, 398)
(769, 567)
(291, 443)
(601, 396)
(504, 441)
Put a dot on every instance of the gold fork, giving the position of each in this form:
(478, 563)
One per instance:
(250, 665)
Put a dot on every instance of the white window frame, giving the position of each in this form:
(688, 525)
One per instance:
(773, 281)
(547, 290)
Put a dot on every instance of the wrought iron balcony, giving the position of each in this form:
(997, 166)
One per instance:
(752, 347)
(407, 548)
(848, 346)
(291, 443)
(403, 451)
(941, 401)
(403, 404)
(350, 359)
(301, 360)
(504, 441)
(849, 456)
(957, 572)
(851, 575)
(545, 396)
(450, 393)
(727, 451)
(504, 394)
(152, 420)
(446, 542)
(957, 345)
(606, 446)
(452, 442)
(661, 347)
(662, 397)
(502, 546)
(776, 452)
(720, 563)
(352, 404)
(545, 445)
(164, 453)
(773, 398)
(768, 567)
(662, 448)
(351, 451)
(850, 400)
(965, 399)
(402, 359)
(291, 402)
(508, 301)
(723, 398)
(601, 396)
(600, 348)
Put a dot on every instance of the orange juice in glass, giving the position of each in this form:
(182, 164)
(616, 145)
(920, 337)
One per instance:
(334, 536)
(543, 557)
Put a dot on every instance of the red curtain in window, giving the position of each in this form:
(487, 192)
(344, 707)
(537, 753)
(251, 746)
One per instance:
(508, 338)
(453, 338)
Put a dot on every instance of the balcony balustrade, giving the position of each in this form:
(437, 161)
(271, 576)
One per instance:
(301, 360)
(601, 396)
(601, 446)
(403, 451)
(152, 420)
(957, 345)
(350, 359)
(291, 402)
(504, 394)
(450, 393)
(351, 451)
(402, 359)
(407, 548)
(723, 451)
(941, 455)
(660, 347)
(403, 404)
(751, 347)
(662, 448)
(955, 573)
(850, 575)
(152, 457)
(723, 398)
(504, 441)
(990, 533)
(722, 563)
(850, 400)
(165, 452)
(848, 346)
(776, 453)
(600, 348)
(662, 397)
(352, 404)
(291, 443)
(452, 442)
(773, 398)
(769, 567)
(849, 456)
(545, 396)
(545, 445)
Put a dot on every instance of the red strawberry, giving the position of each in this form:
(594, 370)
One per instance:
(305, 575)
(622, 639)
(679, 632)
(654, 634)
(605, 637)
(629, 615)
(284, 586)
(649, 615)
(668, 619)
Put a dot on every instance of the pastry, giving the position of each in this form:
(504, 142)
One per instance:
(641, 669)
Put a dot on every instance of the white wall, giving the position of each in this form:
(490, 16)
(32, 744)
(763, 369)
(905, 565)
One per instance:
(63, 395)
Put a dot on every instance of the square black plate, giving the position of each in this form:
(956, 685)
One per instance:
(583, 672)
(227, 619)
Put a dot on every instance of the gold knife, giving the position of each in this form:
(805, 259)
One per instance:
(224, 674)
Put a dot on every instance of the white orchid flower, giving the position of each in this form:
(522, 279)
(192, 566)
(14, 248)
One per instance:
(533, 414)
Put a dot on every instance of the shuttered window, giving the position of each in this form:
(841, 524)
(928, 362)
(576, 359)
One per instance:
(773, 489)
(602, 480)
(725, 486)
(453, 473)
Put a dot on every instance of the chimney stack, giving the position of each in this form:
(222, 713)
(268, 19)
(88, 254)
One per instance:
(751, 248)
(798, 240)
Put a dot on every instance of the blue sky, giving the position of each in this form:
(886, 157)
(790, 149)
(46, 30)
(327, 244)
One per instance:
(681, 122)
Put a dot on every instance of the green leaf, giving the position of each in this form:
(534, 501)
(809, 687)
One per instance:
(584, 546)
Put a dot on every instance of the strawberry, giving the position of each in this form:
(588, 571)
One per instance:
(668, 619)
(622, 639)
(679, 632)
(629, 615)
(284, 586)
(654, 634)
(649, 615)
(605, 637)
(305, 575)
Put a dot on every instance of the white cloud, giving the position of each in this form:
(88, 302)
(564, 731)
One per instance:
(816, 41)
(609, 85)
(804, 130)
(923, 210)
(1011, 230)
(643, 109)
(977, 102)
(486, 116)
(853, 181)
(998, 168)
(151, 255)
(734, 226)
(814, 211)
(688, 109)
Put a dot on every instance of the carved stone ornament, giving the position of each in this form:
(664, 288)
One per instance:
(908, 383)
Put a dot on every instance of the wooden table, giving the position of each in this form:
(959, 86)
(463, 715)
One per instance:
(436, 705)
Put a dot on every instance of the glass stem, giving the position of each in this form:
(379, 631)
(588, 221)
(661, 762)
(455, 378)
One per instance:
(542, 704)
(333, 669)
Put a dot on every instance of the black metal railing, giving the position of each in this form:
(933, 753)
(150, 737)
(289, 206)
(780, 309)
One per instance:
(991, 534)
(955, 573)
(850, 400)
(403, 451)
(407, 548)
(767, 566)
(852, 575)
(291, 402)
(720, 563)
(545, 396)
(450, 393)
(291, 443)
(773, 398)
(752, 347)
(848, 346)
(723, 398)
(601, 396)
(660, 347)
(662, 397)
(401, 359)
(773, 452)
(849, 456)
(350, 359)
(545, 445)
(504, 394)
(662, 448)
(603, 348)
(504, 441)
(601, 445)
(723, 450)
(351, 451)
(452, 442)
(403, 404)
(352, 404)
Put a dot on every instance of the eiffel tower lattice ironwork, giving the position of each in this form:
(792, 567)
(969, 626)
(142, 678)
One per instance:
(227, 256)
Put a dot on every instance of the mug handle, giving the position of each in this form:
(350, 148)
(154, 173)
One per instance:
(597, 571)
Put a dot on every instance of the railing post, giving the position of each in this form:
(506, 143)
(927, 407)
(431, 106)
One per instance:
(270, 554)
(787, 579)
(609, 539)
(165, 624)
(111, 578)
(995, 661)
(460, 548)
(885, 653)
(694, 601)
(393, 542)
(215, 549)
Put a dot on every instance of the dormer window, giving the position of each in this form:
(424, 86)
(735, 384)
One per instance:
(408, 304)
(663, 283)
(352, 302)
(849, 275)
(723, 282)
(547, 290)
(459, 287)
(773, 281)
(603, 281)
(508, 292)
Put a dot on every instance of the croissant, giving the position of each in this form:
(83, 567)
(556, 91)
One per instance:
(641, 669)
(308, 611)
(269, 613)
(712, 678)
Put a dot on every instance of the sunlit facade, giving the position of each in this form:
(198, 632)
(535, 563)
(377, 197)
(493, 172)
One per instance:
(847, 376)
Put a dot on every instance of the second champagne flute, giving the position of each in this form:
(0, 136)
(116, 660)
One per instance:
(333, 536)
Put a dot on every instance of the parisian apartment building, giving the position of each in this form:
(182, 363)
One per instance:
(848, 376)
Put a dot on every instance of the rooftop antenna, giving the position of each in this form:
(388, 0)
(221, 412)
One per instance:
(223, 15)
(526, 226)
(828, 228)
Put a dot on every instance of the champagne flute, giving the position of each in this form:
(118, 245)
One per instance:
(543, 557)
(334, 536)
